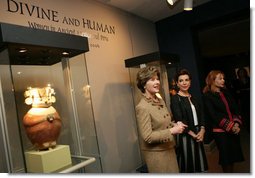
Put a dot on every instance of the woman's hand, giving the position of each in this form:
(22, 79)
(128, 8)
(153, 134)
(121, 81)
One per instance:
(200, 135)
(178, 128)
(180, 124)
(192, 134)
(236, 129)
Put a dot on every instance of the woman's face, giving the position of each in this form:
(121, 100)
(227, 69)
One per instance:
(152, 86)
(184, 82)
(219, 81)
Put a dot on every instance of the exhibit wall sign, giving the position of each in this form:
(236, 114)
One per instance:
(113, 35)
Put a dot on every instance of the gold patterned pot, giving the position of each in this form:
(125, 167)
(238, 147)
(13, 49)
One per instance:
(42, 125)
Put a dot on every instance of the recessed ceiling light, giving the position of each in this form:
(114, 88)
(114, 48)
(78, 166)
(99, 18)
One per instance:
(65, 53)
(171, 2)
(22, 50)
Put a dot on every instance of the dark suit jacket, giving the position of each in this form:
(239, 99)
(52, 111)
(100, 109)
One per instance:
(217, 112)
(182, 111)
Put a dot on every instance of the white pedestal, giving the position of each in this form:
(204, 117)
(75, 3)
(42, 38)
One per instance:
(49, 161)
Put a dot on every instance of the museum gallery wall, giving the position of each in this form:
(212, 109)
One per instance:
(113, 35)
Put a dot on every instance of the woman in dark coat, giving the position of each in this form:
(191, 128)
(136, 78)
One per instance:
(190, 151)
(225, 120)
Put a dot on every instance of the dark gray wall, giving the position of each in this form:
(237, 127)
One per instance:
(178, 34)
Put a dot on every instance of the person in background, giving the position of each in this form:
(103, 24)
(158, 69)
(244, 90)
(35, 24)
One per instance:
(155, 125)
(185, 108)
(242, 93)
(225, 120)
(172, 90)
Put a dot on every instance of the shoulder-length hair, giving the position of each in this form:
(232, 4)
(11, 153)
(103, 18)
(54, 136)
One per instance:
(210, 80)
(144, 75)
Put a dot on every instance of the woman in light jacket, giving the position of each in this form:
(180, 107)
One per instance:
(155, 125)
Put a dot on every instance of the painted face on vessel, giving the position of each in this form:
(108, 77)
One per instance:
(152, 86)
(184, 82)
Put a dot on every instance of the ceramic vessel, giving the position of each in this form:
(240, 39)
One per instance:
(42, 122)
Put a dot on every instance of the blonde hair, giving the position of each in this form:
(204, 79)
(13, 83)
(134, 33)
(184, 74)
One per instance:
(210, 80)
(144, 75)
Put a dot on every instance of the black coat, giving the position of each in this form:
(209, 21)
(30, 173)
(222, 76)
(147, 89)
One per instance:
(216, 111)
(228, 143)
(190, 153)
(182, 111)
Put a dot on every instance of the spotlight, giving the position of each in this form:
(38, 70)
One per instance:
(171, 2)
(188, 5)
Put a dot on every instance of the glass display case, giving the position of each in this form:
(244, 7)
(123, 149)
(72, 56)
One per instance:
(45, 69)
(167, 63)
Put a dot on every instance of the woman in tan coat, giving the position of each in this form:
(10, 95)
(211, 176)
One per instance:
(155, 126)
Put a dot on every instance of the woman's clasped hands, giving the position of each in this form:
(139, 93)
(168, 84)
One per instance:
(178, 128)
(236, 128)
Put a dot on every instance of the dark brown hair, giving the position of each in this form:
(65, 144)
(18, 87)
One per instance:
(144, 75)
(182, 72)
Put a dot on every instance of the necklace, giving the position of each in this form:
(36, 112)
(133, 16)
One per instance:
(181, 93)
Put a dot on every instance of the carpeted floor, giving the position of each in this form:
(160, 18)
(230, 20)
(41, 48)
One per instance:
(212, 158)
(242, 167)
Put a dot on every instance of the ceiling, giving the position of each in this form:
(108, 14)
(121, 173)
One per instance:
(219, 41)
(153, 10)
(228, 39)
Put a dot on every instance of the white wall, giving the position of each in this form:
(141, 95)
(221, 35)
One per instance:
(109, 79)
